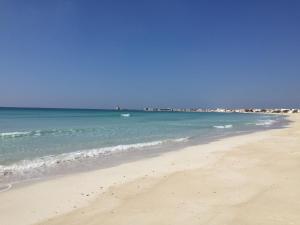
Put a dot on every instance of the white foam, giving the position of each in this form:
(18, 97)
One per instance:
(265, 122)
(185, 139)
(25, 166)
(223, 126)
(6, 188)
(34, 133)
(15, 134)
(125, 114)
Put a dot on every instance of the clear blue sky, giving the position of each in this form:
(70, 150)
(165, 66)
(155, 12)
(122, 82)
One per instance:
(99, 54)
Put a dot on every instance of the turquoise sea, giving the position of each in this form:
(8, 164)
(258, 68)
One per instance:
(34, 142)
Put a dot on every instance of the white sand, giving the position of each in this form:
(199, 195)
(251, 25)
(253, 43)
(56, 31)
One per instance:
(249, 179)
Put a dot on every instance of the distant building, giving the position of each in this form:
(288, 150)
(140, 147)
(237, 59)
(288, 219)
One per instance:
(166, 110)
(249, 110)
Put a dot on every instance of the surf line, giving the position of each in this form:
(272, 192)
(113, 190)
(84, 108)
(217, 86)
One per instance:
(8, 186)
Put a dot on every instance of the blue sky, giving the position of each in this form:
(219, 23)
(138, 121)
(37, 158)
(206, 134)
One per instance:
(99, 54)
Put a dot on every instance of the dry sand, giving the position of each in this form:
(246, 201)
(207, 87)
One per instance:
(249, 179)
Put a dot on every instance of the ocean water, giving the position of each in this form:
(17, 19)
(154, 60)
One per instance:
(34, 142)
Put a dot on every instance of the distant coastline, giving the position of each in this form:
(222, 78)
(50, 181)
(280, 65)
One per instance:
(225, 110)
(167, 109)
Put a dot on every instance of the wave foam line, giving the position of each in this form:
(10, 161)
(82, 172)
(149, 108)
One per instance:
(6, 188)
(14, 134)
(265, 122)
(18, 134)
(26, 166)
(223, 126)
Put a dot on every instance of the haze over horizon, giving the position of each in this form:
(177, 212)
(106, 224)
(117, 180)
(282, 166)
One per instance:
(99, 54)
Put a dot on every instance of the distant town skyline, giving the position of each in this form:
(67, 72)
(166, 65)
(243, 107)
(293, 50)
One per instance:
(136, 54)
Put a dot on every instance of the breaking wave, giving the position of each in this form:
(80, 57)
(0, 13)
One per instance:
(223, 126)
(14, 134)
(36, 133)
(25, 166)
(265, 122)
(5, 188)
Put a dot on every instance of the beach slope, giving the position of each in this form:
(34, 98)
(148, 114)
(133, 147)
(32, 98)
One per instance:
(247, 179)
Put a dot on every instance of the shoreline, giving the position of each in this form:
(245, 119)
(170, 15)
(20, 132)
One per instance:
(54, 197)
(119, 158)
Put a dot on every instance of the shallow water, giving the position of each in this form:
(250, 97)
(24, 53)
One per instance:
(34, 142)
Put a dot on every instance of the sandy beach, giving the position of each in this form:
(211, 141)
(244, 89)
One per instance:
(247, 179)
